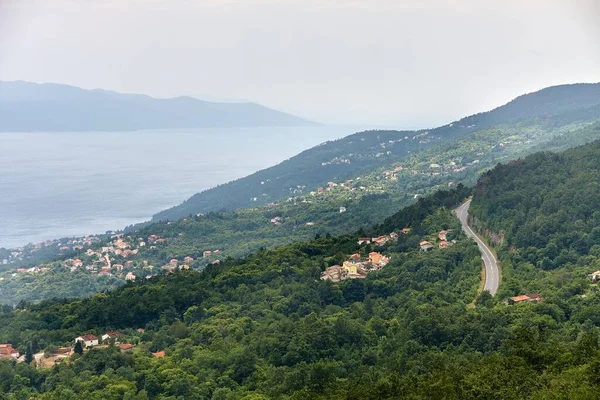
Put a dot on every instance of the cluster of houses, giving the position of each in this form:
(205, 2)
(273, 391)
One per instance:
(20, 254)
(212, 254)
(355, 268)
(174, 264)
(331, 186)
(443, 242)
(47, 359)
(104, 261)
(381, 240)
(89, 340)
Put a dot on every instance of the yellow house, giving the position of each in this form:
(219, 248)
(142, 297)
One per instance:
(350, 267)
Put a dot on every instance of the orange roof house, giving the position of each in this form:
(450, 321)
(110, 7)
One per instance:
(159, 354)
(425, 245)
(126, 347)
(518, 299)
(7, 351)
(375, 257)
(443, 235)
(531, 297)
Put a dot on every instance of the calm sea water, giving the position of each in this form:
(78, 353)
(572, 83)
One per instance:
(70, 184)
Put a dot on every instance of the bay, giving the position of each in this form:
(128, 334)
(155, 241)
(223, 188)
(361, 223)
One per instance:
(67, 184)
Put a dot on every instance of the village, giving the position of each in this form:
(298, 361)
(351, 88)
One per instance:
(109, 259)
(81, 344)
(357, 268)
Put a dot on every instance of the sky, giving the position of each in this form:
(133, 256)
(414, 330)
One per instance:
(402, 63)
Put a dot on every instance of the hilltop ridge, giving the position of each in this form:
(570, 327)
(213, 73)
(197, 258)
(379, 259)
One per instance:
(26, 106)
(346, 158)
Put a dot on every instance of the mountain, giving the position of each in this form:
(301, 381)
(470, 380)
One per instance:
(26, 106)
(347, 158)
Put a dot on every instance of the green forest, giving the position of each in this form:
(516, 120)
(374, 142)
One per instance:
(266, 327)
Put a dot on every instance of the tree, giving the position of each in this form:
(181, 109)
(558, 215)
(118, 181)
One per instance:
(78, 348)
(29, 354)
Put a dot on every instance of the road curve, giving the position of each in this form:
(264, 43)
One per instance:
(492, 273)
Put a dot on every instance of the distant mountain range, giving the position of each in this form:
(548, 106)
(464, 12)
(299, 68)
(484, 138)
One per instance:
(26, 106)
(347, 158)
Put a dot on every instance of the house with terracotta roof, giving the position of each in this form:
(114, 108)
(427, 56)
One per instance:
(159, 354)
(443, 235)
(188, 260)
(531, 297)
(87, 340)
(126, 347)
(380, 240)
(406, 231)
(7, 351)
(112, 335)
(444, 244)
(425, 245)
(375, 257)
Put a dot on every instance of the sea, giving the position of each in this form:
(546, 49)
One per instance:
(65, 184)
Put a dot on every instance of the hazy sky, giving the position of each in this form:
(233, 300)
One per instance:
(405, 62)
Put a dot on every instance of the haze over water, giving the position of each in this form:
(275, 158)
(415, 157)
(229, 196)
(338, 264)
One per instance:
(71, 184)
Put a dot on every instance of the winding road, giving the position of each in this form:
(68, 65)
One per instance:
(492, 273)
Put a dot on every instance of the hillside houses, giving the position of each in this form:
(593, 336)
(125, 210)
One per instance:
(355, 268)
(379, 240)
(442, 241)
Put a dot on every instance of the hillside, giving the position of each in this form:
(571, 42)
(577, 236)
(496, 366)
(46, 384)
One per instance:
(266, 326)
(349, 157)
(545, 208)
(367, 200)
(28, 106)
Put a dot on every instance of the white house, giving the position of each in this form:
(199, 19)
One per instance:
(111, 335)
(87, 340)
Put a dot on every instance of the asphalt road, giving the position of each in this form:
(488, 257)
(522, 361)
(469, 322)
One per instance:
(492, 273)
